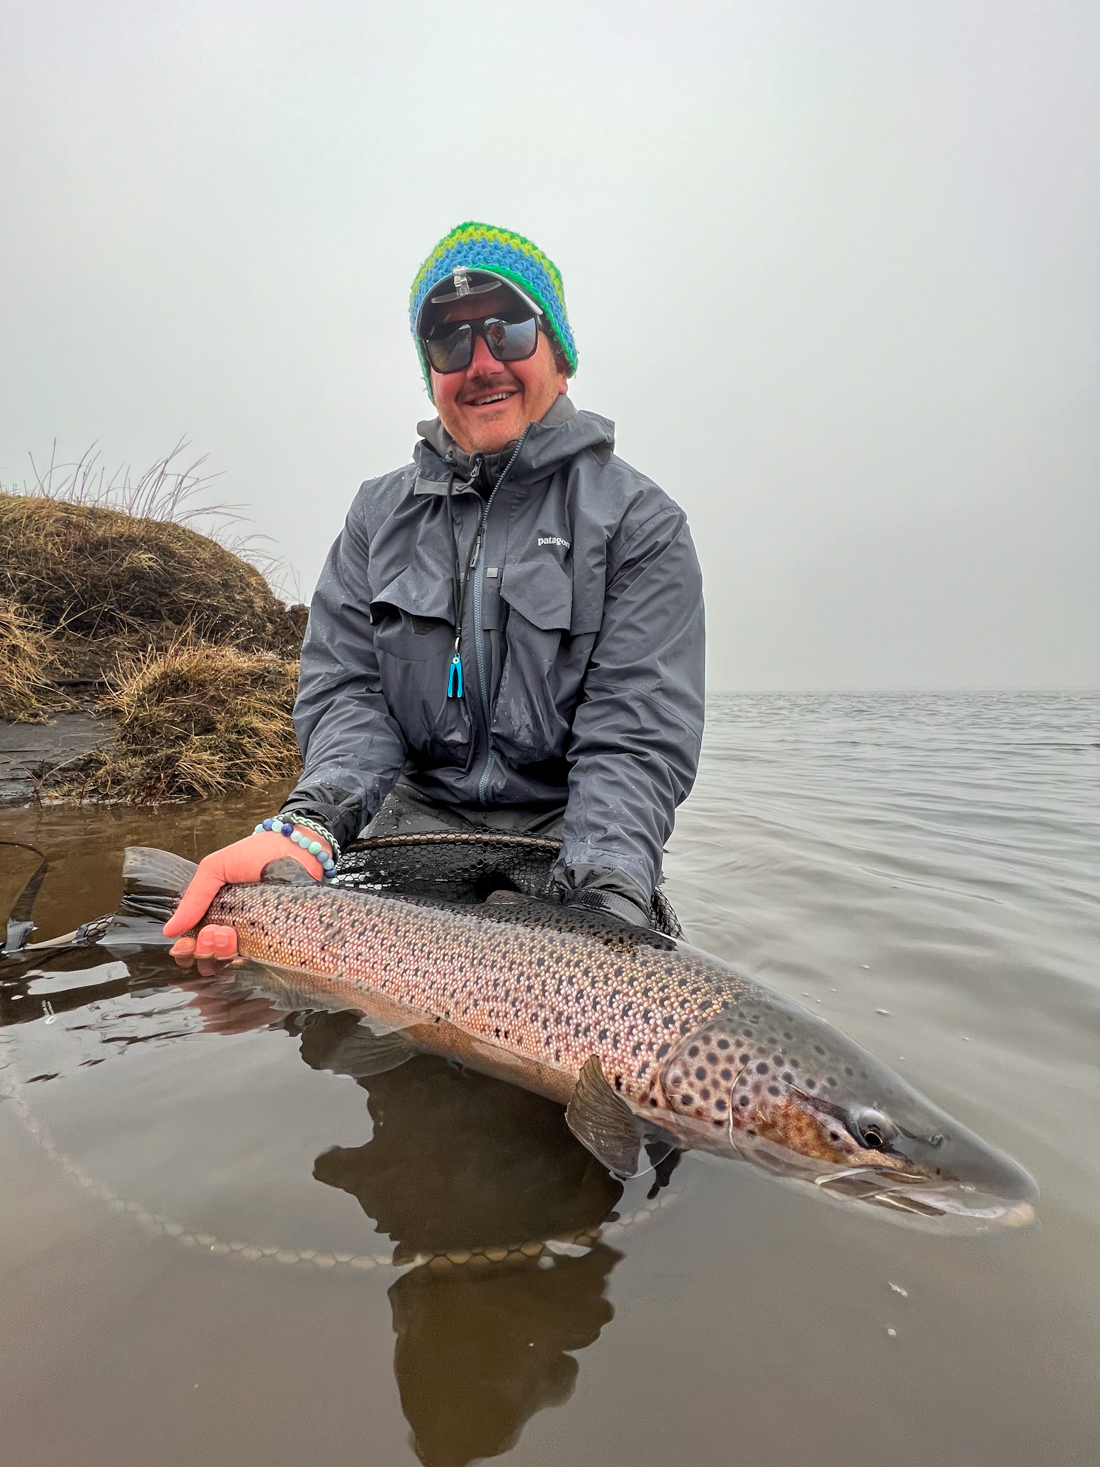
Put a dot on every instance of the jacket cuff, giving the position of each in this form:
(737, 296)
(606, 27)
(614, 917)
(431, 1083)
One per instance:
(574, 876)
(613, 903)
(335, 809)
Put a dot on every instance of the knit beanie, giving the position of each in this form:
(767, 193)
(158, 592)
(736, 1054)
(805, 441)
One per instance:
(500, 252)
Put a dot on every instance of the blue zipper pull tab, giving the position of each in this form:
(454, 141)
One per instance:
(454, 678)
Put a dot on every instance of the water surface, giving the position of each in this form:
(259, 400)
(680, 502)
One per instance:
(209, 1235)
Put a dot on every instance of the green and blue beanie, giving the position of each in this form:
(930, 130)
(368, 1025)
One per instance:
(513, 258)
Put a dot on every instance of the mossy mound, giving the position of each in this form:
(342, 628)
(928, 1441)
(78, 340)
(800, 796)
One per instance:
(91, 572)
(195, 721)
(182, 642)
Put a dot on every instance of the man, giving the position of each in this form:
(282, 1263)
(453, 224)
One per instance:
(508, 632)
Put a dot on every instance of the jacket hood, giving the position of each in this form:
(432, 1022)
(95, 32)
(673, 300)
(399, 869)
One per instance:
(549, 443)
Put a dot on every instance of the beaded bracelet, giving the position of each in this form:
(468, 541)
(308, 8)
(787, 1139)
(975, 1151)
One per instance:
(319, 830)
(280, 827)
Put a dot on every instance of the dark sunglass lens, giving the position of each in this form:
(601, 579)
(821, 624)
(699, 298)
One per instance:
(450, 350)
(511, 341)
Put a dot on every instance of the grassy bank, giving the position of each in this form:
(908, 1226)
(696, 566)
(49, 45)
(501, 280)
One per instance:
(174, 636)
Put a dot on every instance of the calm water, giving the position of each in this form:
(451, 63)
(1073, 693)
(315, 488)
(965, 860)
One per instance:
(932, 856)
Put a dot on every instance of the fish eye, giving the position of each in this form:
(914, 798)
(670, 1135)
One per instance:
(872, 1129)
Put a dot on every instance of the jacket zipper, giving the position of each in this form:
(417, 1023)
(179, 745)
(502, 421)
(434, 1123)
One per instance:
(479, 631)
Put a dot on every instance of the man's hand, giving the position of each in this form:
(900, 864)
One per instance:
(241, 862)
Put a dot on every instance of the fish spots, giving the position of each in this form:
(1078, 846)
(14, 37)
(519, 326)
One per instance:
(726, 1075)
(704, 1093)
(818, 1049)
(700, 1073)
(664, 1049)
(719, 1105)
(773, 1089)
(743, 1101)
(687, 1099)
(744, 1058)
(762, 1068)
(693, 1052)
(849, 1071)
(830, 1080)
(723, 1044)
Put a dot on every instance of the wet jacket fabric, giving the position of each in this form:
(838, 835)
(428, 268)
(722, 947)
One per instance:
(582, 648)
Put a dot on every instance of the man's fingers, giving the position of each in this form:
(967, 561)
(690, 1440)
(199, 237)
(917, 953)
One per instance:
(193, 904)
(184, 948)
(216, 942)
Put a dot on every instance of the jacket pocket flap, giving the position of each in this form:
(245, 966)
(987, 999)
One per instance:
(541, 591)
(418, 592)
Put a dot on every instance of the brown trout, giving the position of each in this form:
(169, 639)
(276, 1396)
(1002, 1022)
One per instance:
(650, 1044)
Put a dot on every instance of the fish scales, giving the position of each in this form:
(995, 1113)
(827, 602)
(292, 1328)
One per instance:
(551, 987)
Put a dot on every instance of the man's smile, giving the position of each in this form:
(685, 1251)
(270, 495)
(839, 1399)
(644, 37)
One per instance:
(488, 399)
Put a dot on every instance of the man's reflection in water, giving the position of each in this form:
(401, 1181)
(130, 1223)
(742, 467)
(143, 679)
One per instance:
(458, 1161)
(478, 1354)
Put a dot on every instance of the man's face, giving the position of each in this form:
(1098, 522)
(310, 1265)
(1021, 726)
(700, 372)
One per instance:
(491, 403)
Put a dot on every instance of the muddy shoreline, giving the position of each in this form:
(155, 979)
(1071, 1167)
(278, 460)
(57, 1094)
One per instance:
(32, 754)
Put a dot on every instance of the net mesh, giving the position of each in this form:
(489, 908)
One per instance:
(464, 867)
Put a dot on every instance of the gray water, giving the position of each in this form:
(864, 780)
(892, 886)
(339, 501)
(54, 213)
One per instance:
(933, 857)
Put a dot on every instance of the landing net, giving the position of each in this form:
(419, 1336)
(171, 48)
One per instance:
(459, 866)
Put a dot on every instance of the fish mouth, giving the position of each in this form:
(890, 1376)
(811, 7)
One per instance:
(909, 1195)
(921, 1201)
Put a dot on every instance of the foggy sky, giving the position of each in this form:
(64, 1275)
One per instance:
(832, 267)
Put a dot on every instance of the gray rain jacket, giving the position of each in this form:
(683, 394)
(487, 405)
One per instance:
(582, 648)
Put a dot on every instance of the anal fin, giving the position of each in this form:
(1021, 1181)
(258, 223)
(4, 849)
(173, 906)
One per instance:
(362, 1053)
(601, 1120)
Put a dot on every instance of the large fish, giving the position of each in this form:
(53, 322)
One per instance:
(651, 1045)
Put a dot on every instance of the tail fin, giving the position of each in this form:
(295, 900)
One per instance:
(154, 881)
(21, 918)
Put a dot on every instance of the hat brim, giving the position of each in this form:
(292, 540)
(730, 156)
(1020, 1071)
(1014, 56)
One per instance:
(478, 282)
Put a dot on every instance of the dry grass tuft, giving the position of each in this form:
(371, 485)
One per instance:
(95, 572)
(194, 721)
(25, 655)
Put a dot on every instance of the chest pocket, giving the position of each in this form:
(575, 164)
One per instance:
(531, 713)
(414, 641)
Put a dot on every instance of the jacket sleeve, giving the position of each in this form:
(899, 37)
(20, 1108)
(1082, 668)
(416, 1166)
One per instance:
(352, 746)
(637, 730)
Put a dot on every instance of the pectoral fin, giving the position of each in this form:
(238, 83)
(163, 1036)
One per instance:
(601, 1120)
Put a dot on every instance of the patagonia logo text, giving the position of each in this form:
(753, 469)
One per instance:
(553, 540)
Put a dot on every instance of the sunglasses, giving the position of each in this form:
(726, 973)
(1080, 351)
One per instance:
(510, 338)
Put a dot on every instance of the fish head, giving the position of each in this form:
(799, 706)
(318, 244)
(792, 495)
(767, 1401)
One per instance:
(782, 1088)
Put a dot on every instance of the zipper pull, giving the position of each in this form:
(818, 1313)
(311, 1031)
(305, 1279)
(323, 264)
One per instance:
(454, 676)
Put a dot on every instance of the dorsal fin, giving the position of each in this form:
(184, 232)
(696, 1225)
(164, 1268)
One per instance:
(288, 871)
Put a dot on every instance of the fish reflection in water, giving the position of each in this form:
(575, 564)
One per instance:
(458, 1161)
